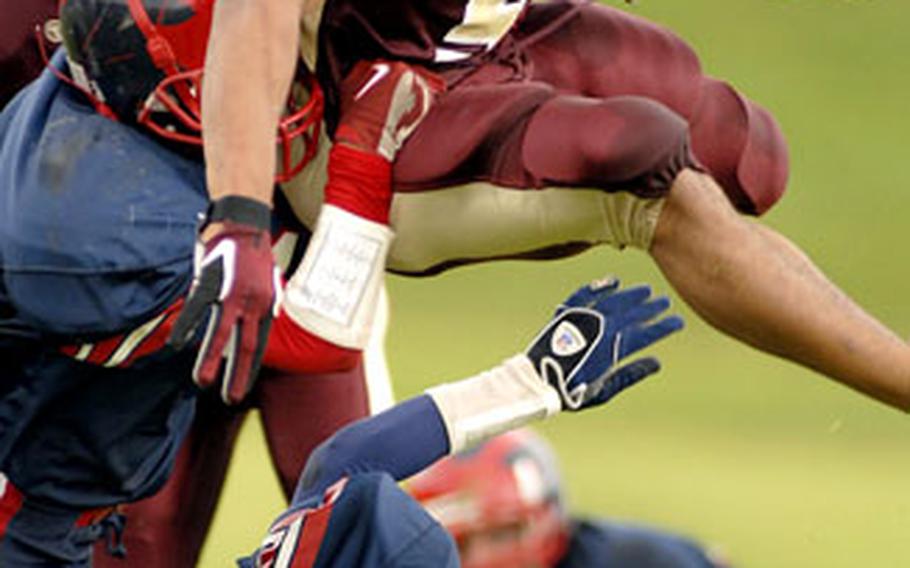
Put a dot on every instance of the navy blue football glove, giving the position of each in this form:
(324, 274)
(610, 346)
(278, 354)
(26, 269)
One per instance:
(591, 332)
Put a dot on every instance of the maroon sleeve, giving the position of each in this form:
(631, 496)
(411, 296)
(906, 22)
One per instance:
(20, 60)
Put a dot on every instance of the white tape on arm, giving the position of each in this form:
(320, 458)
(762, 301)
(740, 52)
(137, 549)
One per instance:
(335, 291)
(503, 398)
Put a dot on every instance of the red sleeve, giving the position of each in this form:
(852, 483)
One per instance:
(293, 349)
(360, 182)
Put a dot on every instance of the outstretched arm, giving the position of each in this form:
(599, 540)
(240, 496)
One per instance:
(571, 365)
(754, 284)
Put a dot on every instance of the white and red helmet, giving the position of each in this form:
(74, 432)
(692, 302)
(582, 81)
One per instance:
(502, 502)
(141, 61)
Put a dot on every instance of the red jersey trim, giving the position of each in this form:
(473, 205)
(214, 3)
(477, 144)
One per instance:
(10, 503)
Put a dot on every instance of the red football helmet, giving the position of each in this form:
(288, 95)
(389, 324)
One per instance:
(141, 61)
(502, 502)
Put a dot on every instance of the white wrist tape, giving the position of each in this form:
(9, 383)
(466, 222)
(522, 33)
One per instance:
(335, 291)
(503, 398)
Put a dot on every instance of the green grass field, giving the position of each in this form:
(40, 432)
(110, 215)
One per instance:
(775, 464)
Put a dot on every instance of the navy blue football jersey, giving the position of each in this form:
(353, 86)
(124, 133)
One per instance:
(362, 521)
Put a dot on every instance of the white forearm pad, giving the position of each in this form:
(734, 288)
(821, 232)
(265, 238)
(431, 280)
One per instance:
(335, 291)
(503, 398)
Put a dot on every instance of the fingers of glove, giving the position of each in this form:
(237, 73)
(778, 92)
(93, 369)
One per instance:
(245, 355)
(590, 294)
(642, 313)
(638, 337)
(621, 379)
(204, 294)
(213, 346)
(623, 300)
(211, 327)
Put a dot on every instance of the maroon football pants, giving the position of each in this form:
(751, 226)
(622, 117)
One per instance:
(20, 59)
(297, 412)
(582, 95)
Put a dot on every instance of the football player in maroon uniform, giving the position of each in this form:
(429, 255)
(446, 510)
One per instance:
(556, 97)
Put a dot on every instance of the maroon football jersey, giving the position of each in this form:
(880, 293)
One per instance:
(20, 61)
(430, 32)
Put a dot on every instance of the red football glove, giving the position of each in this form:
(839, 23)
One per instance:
(238, 285)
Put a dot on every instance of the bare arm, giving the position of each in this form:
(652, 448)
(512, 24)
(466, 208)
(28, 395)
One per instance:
(249, 67)
(754, 284)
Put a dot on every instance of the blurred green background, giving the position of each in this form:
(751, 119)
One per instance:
(771, 462)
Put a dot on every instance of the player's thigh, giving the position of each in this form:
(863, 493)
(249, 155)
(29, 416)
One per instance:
(472, 132)
(102, 436)
(169, 528)
(599, 51)
(591, 171)
(602, 52)
(524, 135)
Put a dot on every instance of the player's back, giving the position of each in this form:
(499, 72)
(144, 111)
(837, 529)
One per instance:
(603, 543)
(363, 521)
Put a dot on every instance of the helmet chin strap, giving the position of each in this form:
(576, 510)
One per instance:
(78, 82)
(158, 48)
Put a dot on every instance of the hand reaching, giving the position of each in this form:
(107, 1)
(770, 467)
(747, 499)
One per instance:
(591, 332)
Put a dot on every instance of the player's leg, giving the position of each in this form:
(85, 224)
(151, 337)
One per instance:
(98, 437)
(38, 534)
(753, 284)
(599, 51)
(558, 175)
(168, 529)
(322, 403)
(746, 281)
(299, 412)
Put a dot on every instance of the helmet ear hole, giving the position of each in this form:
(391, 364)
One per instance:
(52, 31)
(502, 502)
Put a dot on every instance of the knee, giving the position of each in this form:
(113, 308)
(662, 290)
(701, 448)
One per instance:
(741, 145)
(625, 143)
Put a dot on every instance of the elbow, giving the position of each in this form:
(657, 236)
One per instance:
(328, 461)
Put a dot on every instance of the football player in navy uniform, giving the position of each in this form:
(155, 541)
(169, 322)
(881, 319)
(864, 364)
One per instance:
(348, 510)
(96, 249)
(504, 504)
